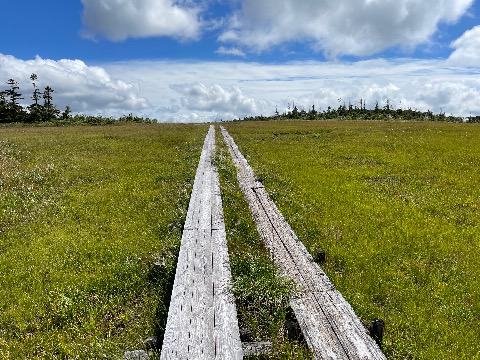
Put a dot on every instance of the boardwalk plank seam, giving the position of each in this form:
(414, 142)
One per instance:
(202, 318)
(330, 326)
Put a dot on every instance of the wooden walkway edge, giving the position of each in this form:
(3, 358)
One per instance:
(202, 318)
(330, 326)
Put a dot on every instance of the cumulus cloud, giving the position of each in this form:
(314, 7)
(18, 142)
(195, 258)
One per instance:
(121, 19)
(467, 49)
(87, 89)
(218, 100)
(343, 27)
(453, 97)
(207, 91)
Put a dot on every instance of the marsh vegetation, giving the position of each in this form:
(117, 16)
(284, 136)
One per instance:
(88, 213)
(395, 206)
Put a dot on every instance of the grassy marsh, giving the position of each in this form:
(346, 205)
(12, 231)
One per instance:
(396, 208)
(85, 212)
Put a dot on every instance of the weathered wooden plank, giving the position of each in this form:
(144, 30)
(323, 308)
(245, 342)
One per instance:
(202, 318)
(226, 329)
(330, 326)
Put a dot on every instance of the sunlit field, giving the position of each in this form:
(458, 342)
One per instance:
(396, 208)
(85, 213)
(91, 220)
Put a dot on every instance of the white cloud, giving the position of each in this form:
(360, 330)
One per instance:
(223, 103)
(121, 19)
(87, 89)
(336, 28)
(207, 91)
(230, 51)
(343, 27)
(227, 90)
(467, 49)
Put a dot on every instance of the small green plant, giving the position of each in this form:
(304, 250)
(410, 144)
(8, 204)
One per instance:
(261, 294)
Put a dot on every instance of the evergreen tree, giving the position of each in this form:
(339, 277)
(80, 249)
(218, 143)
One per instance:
(49, 112)
(35, 108)
(13, 93)
(387, 105)
(36, 92)
(66, 114)
(14, 112)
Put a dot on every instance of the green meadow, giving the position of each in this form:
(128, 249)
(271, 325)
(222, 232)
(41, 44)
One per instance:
(91, 220)
(85, 213)
(396, 208)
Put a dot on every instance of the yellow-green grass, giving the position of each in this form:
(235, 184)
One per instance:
(85, 212)
(396, 207)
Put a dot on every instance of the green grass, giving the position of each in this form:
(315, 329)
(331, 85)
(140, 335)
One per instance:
(396, 208)
(85, 212)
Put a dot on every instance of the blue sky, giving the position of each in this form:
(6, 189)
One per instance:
(185, 60)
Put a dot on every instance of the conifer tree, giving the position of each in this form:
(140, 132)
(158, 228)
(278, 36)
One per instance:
(13, 93)
(35, 108)
(14, 112)
(50, 112)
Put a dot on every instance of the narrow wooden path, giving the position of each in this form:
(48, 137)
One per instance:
(202, 318)
(330, 326)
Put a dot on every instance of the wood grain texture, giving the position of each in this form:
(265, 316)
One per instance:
(329, 324)
(202, 318)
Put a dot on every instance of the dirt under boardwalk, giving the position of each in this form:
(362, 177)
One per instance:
(330, 326)
(202, 319)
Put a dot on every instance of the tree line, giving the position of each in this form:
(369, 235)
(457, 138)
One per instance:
(43, 110)
(359, 111)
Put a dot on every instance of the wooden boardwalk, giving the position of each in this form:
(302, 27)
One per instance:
(202, 318)
(331, 328)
